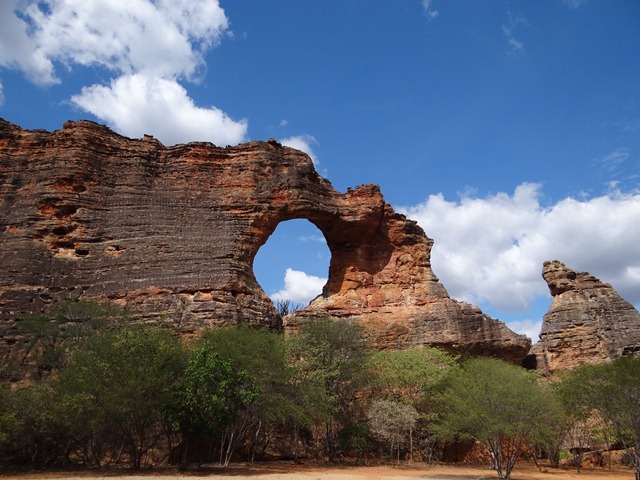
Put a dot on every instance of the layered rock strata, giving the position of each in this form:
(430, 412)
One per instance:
(172, 232)
(587, 322)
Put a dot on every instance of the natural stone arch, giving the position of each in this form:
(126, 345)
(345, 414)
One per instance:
(356, 241)
(171, 232)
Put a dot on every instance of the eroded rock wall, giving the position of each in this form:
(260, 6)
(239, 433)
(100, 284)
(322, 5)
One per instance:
(172, 232)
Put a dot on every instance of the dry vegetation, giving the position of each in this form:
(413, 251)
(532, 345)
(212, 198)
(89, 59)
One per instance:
(238, 394)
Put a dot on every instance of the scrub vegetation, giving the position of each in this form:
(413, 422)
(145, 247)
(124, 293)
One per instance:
(109, 391)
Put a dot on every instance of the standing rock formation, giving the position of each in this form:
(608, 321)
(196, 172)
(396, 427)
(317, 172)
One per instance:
(587, 322)
(172, 232)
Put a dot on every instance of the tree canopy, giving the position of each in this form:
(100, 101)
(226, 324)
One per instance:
(612, 392)
(122, 392)
(496, 403)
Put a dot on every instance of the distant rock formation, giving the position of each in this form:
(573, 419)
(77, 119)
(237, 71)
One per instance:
(172, 232)
(587, 322)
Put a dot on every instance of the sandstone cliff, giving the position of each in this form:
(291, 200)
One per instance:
(587, 322)
(172, 232)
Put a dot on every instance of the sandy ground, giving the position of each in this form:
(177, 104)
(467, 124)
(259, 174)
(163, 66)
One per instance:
(292, 471)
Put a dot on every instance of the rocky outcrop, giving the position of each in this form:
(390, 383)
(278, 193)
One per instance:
(587, 322)
(172, 232)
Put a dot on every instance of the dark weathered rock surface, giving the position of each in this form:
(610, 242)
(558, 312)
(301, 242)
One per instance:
(172, 232)
(587, 322)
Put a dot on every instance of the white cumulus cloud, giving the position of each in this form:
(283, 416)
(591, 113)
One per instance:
(138, 104)
(1, 95)
(492, 249)
(19, 49)
(146, 46)
(530, 328)
(299, 287)
(164, 38)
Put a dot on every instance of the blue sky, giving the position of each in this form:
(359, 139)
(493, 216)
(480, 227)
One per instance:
(509, 129)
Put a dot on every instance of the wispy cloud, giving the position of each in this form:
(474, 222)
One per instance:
(617, 170)
(612, 161)
(574, 3)
(631, 125)
(429, 11)
(312, 238)
(514, 46)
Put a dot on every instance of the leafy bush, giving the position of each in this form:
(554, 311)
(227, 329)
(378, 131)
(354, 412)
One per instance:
(117, 387)
(33, 426)
(496, 403)
(210, 397)
(392, 422)
(334, 364)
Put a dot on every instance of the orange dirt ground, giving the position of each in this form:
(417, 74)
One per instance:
(293, 471)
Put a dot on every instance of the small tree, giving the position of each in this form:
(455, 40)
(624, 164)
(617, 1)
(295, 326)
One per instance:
(210, 398)
(116, 390)
(33, 428)
(286, 306)
(413, 377)
(334, 356)
(575, 391)
(392, 422)
(610, 392)
(68, 325)
(496, 403)
(410, 375)
(620, 397)
(549, 436)
(262, 355)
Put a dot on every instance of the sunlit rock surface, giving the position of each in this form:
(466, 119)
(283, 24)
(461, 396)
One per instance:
(587, 322)
(171, 232)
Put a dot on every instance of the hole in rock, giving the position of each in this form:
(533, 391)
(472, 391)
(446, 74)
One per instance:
(63, 230)
(293, 264)
(66, 210)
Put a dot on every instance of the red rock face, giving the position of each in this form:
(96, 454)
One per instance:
(587, 322)
(172, 232)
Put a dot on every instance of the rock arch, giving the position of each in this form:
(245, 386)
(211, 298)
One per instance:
(172, 232)
(351, 224)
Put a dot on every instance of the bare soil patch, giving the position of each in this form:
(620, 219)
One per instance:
(296, 471)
